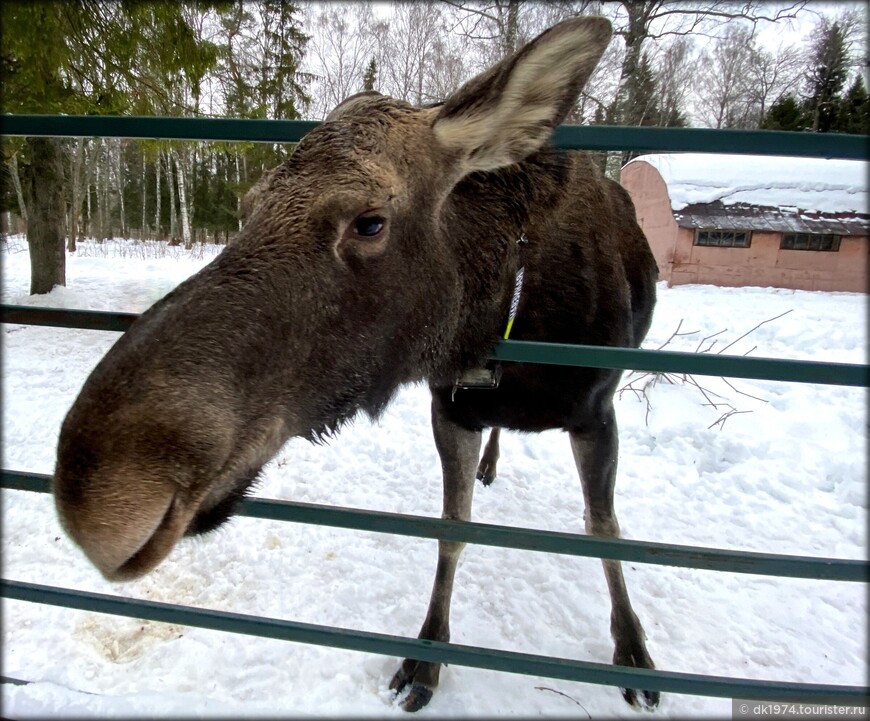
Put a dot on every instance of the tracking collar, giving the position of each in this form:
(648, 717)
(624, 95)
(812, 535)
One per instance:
(489, 375)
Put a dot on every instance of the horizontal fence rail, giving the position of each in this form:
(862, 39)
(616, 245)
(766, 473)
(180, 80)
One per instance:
(775, 369)
(571, 544)
(587, 137)
(590, 138)
(425, 650)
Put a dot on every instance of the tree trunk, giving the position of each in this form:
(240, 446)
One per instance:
(157, 233)
(90, 215)
(182, 203)
(624, 108)
(103, 198)
(19, 194)
(511, 28)
(91, 178)
(173, 224)
(108, 206)
(191, 189)
(119, 179)
(76, 202)
(98, 197)
(44, 190)
(238, 195)
(143, 229)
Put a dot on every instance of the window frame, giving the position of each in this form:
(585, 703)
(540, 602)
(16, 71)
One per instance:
(807, 239)
(721, 232)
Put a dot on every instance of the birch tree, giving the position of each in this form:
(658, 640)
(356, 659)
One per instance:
(170, 184)
(345, 40)
(182, 200)
(158, 232)
(724, 96)
(119, 187)
(772, 75)
(414, 30)
(637, 22)
(676, 70)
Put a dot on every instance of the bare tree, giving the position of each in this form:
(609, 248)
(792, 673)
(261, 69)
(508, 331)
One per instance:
(639, 21)
(619, 89)
(344, 39)
(724, 96)
(493, 30)
(492, 26)
(415, 28)
(498, 27)
(447, 68)
(675, 73)
(770, 76)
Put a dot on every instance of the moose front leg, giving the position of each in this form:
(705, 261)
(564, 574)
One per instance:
(595, 451)
(458, 448)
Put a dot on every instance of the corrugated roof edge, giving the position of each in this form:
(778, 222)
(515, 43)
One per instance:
(716, 216)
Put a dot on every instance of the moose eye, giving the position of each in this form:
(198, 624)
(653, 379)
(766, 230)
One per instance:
(369, 226)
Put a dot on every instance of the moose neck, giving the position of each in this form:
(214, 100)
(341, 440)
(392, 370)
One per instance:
(484, 218)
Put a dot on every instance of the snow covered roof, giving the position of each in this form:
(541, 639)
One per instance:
(742, 216)
(788, 183)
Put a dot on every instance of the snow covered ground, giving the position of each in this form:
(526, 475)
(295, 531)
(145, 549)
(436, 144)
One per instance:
(789, 477)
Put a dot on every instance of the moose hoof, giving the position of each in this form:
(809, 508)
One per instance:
(484, 476)
(641, 699)
(420, 693)
(417, 698)
(634, 654)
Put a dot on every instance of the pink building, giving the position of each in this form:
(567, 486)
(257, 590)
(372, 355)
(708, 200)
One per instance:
(736, 220)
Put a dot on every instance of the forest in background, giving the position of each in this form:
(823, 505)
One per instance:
(674, 64)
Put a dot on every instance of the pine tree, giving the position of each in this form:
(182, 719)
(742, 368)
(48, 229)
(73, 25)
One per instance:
(674, 118)
(278, 87)
(785, 114)
(642, 108)
(371, 76)
(827, 76)
(853, 115)
(81, 57)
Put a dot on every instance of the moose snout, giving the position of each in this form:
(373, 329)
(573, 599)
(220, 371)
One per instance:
(124, 535)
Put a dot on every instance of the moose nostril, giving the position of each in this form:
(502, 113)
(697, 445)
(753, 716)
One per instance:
(123, 538)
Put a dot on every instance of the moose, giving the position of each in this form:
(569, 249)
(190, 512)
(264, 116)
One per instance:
(389, 248)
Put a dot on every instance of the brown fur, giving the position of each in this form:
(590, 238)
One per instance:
(302, 322)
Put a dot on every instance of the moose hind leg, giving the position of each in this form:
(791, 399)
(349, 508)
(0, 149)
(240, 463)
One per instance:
(486, 469)
(595, 452)
(458, 448)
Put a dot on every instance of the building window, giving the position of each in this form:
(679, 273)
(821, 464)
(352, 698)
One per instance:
(810, 241)
(723, 238)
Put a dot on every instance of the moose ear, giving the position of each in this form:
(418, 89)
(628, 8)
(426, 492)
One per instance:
(508, 112)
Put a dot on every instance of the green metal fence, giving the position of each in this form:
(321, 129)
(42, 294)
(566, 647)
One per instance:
(592, 138)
